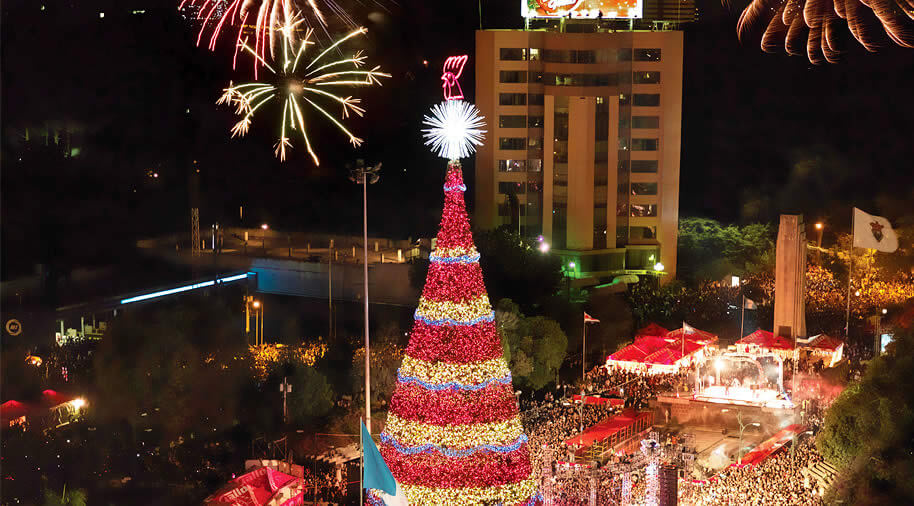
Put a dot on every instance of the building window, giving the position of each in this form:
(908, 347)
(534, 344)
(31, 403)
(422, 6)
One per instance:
(513, 76)
(645, 144)
(556, 56)
(534, 54)
(644, 166)
(513, 54)
(535, 99)
(510, 188)
(644, 188)
(512, 165)
(512, 143)
(643, 210)
(552, 79)
(534, 165)
(512, 99)
(645, 122)
(646, 99)
(507, 210)
(647, 54)
(535, 121)
(644, 77)
(512, 121)
(643, 233)
(624, 54)
(536, 77)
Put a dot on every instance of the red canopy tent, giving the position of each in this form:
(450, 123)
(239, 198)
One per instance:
(652, 329)
(666, 353)
(827, 347)
(613, 430)
(771, 445)
(692, 334)
(257, 488)
(766, 341)
(12, 410)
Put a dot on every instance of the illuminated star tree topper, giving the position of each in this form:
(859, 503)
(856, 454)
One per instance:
(456, 128)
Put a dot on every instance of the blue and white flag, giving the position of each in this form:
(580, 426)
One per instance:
(376, 474)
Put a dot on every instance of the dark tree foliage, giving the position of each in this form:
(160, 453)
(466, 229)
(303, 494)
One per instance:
(709, 250)
(512, 267)
(868, 432)
(534, 347)
(177, 368)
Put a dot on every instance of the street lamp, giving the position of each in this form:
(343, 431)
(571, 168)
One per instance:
(742, 427)
(658, 267)
(258, 322)
(364, 176)
(819, 228)
(544, 247)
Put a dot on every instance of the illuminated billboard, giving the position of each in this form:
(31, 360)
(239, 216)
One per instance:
(583, 9)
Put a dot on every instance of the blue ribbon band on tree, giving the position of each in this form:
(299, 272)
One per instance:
(462, 188)
(428, 448)
(449, 321)
(538, 498)
(452, 385)
(465, 259)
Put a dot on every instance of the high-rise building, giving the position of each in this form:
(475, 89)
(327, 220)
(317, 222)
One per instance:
(584, 141)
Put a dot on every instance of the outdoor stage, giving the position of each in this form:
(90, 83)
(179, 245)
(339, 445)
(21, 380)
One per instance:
(744, 396)
(719, 412)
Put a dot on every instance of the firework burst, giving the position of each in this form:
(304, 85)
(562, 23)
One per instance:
(298, 85)
(264, 18)
(816, 24)
(455, 129)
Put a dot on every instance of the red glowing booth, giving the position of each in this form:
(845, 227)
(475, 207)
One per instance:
(259, 487)
(766, 341)
(663, 354)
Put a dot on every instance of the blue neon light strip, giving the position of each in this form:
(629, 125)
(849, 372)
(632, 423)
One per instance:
(448, 321)
(185, 288)
(452, 385)
(428, 448)
(465, 259)
(462, 188)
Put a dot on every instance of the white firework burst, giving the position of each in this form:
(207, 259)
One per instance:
(456, 129)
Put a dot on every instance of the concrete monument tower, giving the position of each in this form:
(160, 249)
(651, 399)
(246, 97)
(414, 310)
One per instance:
(790, 278)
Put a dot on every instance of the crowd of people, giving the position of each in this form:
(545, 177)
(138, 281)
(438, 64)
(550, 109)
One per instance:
(775, 481)
(635, 388)
(552, 420)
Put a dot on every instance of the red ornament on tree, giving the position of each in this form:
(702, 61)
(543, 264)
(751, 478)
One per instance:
(453, 435)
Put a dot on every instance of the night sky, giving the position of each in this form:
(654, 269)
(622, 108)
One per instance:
(762, 133)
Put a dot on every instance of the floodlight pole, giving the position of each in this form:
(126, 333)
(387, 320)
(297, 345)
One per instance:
(365, 298)
(360, 175)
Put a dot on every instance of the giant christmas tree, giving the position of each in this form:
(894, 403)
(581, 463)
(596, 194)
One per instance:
(453, 435)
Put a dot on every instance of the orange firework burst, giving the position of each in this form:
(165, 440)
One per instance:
(817, 23)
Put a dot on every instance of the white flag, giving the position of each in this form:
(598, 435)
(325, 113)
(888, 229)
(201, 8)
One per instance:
(687, 329)
(749, 303)
(873, 232)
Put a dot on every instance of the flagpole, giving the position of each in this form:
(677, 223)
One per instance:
(361, 474)
(850, 273)
(742, 316)
(583, 357)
